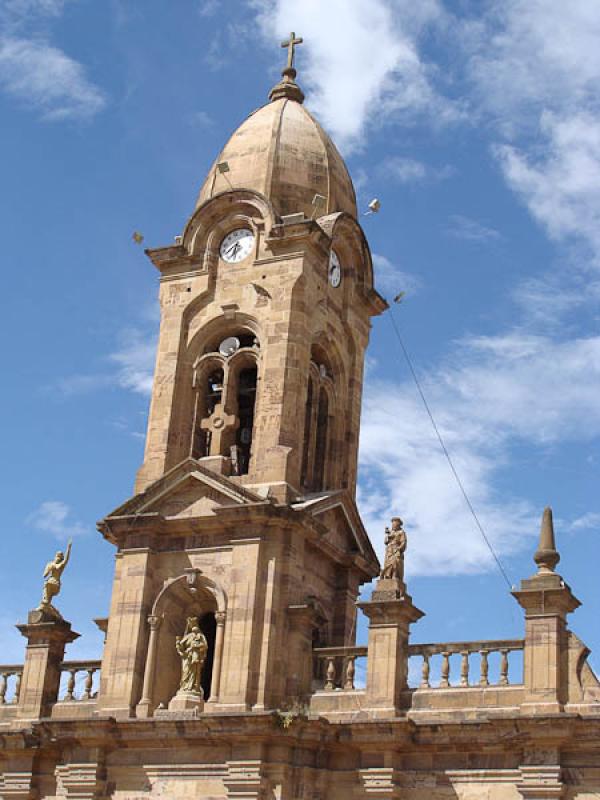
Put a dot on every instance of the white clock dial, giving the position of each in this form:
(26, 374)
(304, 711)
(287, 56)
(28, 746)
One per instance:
(237, 245)
(335, 269)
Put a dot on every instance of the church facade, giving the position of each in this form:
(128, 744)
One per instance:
(230, 664)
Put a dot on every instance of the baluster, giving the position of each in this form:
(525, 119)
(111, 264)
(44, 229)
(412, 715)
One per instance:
(3, 685)
(89, 681)
(330, 673)
(445, 680)
(425, 672)
(350, 672)
(483, 680)
(503, 667)
(17, 687)
(464, 668)
(69, 695)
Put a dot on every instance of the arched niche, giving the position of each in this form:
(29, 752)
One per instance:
(189, 595)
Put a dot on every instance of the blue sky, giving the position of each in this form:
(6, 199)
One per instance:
(478, 127)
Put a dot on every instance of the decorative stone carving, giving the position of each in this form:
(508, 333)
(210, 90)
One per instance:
(395, 545)
(52, 575)
(192, 648)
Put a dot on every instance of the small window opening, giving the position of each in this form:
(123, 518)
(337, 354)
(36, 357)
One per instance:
(321, 443)
(246, 401)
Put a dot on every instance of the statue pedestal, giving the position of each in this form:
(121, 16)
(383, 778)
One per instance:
(187, 701)
(390, 612)
(47, 637)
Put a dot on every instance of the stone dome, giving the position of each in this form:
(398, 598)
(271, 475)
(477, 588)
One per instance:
(281, 151)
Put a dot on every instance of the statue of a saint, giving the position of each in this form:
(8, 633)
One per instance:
(52, 574)
(192, 647)
(395, 545)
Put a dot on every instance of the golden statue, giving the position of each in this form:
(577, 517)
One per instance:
(192, 647)
(395, 545)
(52, 575)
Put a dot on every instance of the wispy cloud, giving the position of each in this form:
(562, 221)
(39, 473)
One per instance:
(350, 93)
(587, 522)
(132, 366)
(390, 279)
(491, 394)
(47, 80)
(471, 230)
(135, 359)
(57, 518)
(535, 67)
(410, 170)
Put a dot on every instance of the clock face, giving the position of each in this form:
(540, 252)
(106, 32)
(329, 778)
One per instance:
(237, 245)
(335, 269)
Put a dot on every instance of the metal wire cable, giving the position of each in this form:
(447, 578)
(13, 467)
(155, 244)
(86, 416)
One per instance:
(445, 449)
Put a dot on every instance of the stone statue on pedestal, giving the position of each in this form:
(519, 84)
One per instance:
(395, 545)
(192, 648)
(52, 575)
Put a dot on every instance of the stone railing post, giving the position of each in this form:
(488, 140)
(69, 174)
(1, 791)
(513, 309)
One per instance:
(547, 600)
(46, 642)
(390, 612)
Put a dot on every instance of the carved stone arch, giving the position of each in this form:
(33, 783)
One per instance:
(217, 212)
(348, 237)
(218, 328)
(191, 594)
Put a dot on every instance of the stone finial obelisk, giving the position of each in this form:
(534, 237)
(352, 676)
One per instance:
(546, 600)
(546, 556)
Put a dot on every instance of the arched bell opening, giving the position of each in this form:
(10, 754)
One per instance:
(226, 381)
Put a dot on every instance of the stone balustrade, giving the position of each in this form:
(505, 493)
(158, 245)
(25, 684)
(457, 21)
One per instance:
(483, 649)
(10, 683)
(338, 666)
(74, 691)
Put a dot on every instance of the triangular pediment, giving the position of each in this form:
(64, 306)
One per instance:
(338, 514)
(187, 490)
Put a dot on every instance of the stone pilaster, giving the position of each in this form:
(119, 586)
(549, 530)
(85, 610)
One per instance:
(379, 782)
(17, 781)
(541, 782)
(390, 615)
(245, 780)
(81, 780)
(46, 642)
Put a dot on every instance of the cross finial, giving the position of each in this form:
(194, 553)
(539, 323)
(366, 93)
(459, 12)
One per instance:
(291, 44)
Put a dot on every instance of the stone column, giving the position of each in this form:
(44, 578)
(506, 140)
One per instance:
(390, 614)
(144, 707)
(46, 642)
(215, 686)
(547, 600)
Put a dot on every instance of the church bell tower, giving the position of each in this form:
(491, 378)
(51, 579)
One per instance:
(244, 515)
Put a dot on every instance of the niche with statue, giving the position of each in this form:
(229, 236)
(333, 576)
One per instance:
(185, 643)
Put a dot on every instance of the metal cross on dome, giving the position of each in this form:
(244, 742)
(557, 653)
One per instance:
(291, 44)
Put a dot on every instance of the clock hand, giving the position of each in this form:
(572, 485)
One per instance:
(233, 249)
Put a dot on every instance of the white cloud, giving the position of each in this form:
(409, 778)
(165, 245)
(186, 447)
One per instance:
(46, 79)
(410, 170)
(135, 359)
(587, 522)
(493, 393)
(360, 60)
(471, 230)
(535, 67)
(56, 517)
(390, 279)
